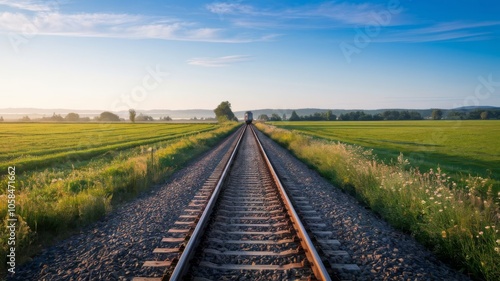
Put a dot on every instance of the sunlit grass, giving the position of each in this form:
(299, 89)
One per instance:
(459, 224)
(460, 147)
(54, 200)
(38, 145)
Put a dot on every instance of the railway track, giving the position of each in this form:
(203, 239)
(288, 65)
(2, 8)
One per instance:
(242, 225)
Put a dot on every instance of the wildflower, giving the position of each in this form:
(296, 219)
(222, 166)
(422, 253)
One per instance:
(440, 210)
(498, 241)
(487, 227)
(497, 249)
(443, 234)
(423, 202)
(481, 233)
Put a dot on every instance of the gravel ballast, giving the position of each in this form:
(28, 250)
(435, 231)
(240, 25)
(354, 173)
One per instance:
(116, 247)
(380, 251)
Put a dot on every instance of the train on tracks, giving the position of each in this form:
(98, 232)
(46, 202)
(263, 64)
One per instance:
(248, 117)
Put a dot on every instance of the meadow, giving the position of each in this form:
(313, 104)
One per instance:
(457, 217)
(69, 175)
(37, 145)
(457, 147)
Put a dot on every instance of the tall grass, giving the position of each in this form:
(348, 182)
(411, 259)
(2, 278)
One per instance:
(54, 202)
(459, 224)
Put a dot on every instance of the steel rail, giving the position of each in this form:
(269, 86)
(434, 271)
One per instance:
(183, 263)
(312, 255)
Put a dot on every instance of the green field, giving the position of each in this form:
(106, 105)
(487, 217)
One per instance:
(458, 147)
(455, 215)
(69, 175)
(36, 145)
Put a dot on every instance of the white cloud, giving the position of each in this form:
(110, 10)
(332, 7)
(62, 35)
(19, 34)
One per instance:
(222, 8)
(115, 26)
(218, 62)
(29, 5)
(446, 31)
(331, 14)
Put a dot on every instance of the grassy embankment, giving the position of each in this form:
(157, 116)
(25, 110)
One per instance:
(68, 175)
(459, 224)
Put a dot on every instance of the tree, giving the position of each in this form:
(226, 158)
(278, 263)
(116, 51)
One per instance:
(284, 117)
(263, 117)
(414, 115)
(437, 114)
(131, 115)
(143, 117)
(1, 118)
(25, 118)
(456, 115)
(72, 117)
(484, 115)
(294, 116)
(223, 112)
(108, 116)
(55, 117)
(329, 116)
(275, 117)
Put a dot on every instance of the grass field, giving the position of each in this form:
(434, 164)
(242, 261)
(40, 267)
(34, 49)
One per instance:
(458, 147)
(69, 175)
(36, 145)
(456, 216)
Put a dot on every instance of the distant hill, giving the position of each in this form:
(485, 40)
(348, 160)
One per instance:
(33, 113)
(473, 108)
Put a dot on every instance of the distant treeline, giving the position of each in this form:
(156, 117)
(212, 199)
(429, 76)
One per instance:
(437, 114)
(103, 117)
(351, 116)
(474, 115)
(386, 115)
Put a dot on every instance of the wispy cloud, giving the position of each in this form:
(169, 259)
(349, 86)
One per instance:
(29, 5)
(398, 26)
(219, 61)
(222, 8)
(119, 26)
(446, 31)
(331, 14)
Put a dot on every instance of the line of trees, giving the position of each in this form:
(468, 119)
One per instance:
(274, 117)
(70, 117)
(355, 116)
(317, 116)
(478, 114)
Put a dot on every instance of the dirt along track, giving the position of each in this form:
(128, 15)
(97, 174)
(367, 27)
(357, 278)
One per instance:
(116, 247)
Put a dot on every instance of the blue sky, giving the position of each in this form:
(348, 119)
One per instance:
(116, 55)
